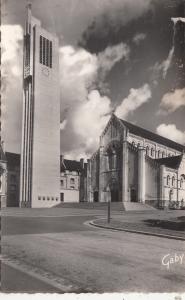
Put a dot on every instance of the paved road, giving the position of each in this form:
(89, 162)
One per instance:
(88, 259)
(16, 281)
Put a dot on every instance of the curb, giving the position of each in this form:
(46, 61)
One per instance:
(138, 231)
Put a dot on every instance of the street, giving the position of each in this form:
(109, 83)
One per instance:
(61, 247)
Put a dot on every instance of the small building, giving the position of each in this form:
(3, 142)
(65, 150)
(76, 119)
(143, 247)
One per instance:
(73, 180)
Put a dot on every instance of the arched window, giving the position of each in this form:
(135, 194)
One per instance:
(147, 150)
(173, 181)
(114, 160)
(163, 154)
(181, 182)
(168, 180)
(152, 152)
(159, 153)
(72, 180)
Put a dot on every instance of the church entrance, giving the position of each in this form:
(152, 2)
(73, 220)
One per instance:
(95, 197)
(114, 196)
(133, 195)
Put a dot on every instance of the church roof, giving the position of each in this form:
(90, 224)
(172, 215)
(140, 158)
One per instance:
(172, 162)
(152, 136)
(70, 165)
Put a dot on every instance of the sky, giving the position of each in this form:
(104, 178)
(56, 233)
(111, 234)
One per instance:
(121, 56)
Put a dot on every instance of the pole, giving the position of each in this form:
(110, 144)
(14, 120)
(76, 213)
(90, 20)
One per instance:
(108, 212)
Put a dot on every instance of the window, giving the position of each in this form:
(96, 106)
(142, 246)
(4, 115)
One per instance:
(72, 181)
(62, 183)
(159, 153)
(40, 49)
(163, 154)
(27, 50)
(168, 180)
(173, 181)
(52, 198)
(45, 52)
(56, 198)
(133, 143)
(43, 198)
(39, 197)
(48, 198)
(138, 145)
(152, 152)
(50, 54)
(147, 150)
(181, 182)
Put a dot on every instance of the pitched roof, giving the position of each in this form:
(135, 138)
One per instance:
(13, 159)
(70, 165)
(172, 162)
(152, 136)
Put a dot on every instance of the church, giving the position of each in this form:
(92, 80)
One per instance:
(133, 165)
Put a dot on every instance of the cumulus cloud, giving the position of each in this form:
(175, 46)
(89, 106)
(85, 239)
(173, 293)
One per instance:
(135, 99)
(170, 131)
(83, 107)
(11, 71)
(170, 102)
(139, 37)
(90, 118)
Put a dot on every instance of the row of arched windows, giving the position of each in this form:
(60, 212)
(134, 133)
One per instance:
(151, 151)
(171, 181)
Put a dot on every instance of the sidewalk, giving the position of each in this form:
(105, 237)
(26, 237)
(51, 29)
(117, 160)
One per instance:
(163, 224)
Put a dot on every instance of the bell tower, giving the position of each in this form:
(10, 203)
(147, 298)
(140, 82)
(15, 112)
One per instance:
(40, 154)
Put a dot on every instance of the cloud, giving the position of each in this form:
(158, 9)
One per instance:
(170, 102)
(138, 38)
(163, 67)
(175, 20)
(83, 106)
(111, 55)
(11, 36)
(113, 15)
(170, 131)
(96, 112)
(11, 73)
(135, 99)
(77, 65)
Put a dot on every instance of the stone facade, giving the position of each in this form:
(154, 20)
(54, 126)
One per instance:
(40, 159)
(73, 181)
(132, 164)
